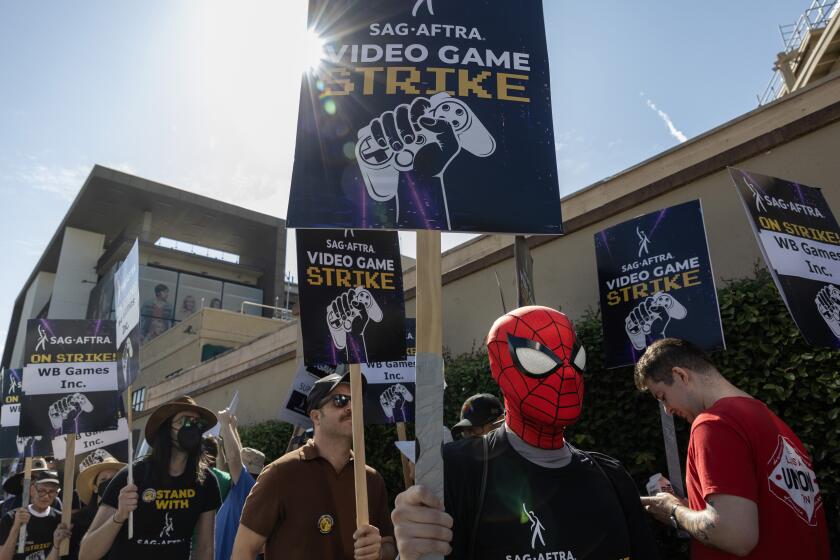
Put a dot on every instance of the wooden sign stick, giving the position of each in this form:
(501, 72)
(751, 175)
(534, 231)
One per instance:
(429, 382)
(402, 435)
(358, 417)
(524, 272)
(67, 486)
(129, 413)
(296, 432)
(24, 500)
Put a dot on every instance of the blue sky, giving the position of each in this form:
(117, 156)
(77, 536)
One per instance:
(202, 95)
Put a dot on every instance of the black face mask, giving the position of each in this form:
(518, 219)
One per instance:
(189, 438)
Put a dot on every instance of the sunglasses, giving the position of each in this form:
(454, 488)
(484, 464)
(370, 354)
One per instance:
(339, 401)
(185, 421)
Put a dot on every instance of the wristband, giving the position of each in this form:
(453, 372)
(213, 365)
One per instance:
(114, 519)
(674, 521)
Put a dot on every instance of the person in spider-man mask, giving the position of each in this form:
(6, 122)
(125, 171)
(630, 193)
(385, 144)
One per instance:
(522, 491)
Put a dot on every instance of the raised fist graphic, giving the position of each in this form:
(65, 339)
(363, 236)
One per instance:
(25, 442)
(349, 314)
(828, 304)
(656, 310)
(69, 407)
(424, 137)
(393, 399)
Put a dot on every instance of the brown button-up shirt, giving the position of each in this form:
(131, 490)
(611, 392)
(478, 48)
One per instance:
(307, 510)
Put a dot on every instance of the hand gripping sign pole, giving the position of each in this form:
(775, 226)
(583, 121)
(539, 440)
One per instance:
(429, 382)
(69, 467)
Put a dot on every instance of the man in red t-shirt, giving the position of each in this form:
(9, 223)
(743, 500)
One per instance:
(752, 491)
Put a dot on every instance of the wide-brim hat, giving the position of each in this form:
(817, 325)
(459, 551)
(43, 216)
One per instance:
(173, 407)
(14, 484)
(84, 484)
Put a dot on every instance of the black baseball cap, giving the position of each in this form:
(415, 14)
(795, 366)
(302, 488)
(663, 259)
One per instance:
(325, 386)
(479, 410)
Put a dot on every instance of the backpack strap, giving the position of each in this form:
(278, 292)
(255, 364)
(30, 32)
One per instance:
(605, 475)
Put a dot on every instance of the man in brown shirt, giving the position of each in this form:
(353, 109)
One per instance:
(303, 504)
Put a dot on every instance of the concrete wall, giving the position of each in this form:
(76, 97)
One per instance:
(200, 266)
(37, 296)
(179, 348)
(76, 274)
(262, 372)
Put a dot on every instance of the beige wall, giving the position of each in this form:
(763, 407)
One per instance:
(179, 348)
(262, 372)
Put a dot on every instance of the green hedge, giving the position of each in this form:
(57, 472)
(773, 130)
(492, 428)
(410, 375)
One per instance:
(766, 356)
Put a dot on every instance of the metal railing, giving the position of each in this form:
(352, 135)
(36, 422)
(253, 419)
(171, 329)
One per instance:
(279, 312)
(816, 16)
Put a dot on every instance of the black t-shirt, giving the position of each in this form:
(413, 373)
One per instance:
(165, 516)
(39, 533)
(530, 512)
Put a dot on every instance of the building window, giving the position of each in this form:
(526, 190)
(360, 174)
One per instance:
(138, 399)
(193, 249)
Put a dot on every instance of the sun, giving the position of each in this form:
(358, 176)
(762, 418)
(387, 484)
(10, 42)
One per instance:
(312, 50)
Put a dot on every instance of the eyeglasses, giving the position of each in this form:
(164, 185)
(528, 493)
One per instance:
(46, 491)
(339, 401)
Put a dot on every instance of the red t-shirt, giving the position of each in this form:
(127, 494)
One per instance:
(739, 447)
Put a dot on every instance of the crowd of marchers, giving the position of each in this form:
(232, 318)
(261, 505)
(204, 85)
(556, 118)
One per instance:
(514, 487)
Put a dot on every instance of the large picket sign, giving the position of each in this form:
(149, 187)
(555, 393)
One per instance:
(11, 445)
(655, 280)
(70, 381)
(351, 297)
(800, 240)
(127, 311)
(427, 115)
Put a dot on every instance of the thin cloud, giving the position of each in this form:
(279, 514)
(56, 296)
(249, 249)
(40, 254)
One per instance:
(62, 181)
(672, 130)
(31, 248)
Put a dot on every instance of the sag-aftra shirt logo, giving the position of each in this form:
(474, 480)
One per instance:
(177, 498)
(536, 532)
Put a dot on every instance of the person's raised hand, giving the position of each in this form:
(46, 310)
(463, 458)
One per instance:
(421, 526)
(367, 543)
(126, 503)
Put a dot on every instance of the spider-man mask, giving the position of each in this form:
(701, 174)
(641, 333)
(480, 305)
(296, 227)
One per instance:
(537, 361)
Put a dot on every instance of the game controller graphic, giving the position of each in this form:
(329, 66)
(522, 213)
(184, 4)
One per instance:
(67, 408)
(424, 136)
(350, 313)
(660, 307)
